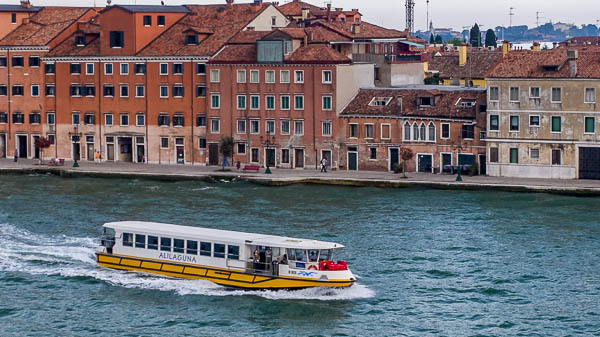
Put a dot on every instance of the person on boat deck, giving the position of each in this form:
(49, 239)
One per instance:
(256, 259)
(284, 260)
(268, 257)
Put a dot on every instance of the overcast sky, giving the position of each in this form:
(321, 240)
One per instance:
(443, 13)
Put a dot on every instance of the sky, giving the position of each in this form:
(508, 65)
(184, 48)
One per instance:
(444, 13)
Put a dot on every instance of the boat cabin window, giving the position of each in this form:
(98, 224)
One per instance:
(219, 250)
(205, 248)
(233, 252)
(291, 254)
(326, 255)
(301, 255)
(178, 245)
(128, 239)
(192, 247)
(165, 244)
(313, 255)
(152, 242)
(140, 241)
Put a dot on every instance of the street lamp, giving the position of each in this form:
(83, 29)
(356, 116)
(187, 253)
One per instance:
(75, 155)
(268, 142)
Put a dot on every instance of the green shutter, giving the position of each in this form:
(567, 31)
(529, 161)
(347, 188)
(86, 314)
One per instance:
(514, 156)
(555, 124)
(590, 124)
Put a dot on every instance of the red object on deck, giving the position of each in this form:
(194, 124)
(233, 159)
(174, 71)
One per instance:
(331, 265)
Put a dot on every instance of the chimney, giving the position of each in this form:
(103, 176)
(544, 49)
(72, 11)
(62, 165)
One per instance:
(462, 55)
(329, 12)
(305, 12)
(536, 46)
(572, 56)
(25, 4)
(229, 3)
(356, 28)
(505, 47)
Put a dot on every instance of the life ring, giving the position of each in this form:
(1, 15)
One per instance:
(312, 267)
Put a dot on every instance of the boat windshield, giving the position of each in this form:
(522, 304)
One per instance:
(311, 255)
(326, 255)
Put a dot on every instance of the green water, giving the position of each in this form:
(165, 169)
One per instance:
(430, 262)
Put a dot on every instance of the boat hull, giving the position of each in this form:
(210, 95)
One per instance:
(225, 277)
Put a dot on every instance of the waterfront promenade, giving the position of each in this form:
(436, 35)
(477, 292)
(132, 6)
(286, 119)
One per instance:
(281, 177)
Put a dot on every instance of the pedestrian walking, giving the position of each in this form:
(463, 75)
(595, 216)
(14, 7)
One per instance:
(16, 155)
(97, 157)
(324, 165)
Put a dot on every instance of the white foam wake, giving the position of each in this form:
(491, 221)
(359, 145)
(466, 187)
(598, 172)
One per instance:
(26, 252)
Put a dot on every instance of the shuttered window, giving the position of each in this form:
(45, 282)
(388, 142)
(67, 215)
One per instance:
(556, 124)
(590, 125)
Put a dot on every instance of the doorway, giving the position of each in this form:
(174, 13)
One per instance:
(327, 155)
(22, 146)
(425, 164)
(76, 151)
(36, 150)
(352, 159)
(299, 158)
(110, 148)
(213, 154)
(125, 149)
(270, 157)
(2, 146)
(90, 152)
(394, 158)
(446, 163)
(482, 165)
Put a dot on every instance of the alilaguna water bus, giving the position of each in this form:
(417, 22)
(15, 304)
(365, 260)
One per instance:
(234, 259)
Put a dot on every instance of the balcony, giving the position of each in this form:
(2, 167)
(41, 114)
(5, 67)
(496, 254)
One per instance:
(363, 58)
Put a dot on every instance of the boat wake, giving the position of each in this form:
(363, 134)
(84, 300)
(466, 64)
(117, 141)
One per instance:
(22, 251)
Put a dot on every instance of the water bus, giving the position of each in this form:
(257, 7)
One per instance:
(235, 259)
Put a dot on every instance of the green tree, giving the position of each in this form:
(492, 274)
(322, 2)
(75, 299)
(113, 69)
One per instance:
(431, 39)
(455, 41)
(490, 38)
(226, 148)
(438, 39)
(475, 36)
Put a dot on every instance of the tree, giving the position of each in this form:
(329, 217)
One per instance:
(490, 39)
(475, 35)
(406, 155)
(431, 39)
(455, 41)
(226, 149)
(42, 143)
(438, 39)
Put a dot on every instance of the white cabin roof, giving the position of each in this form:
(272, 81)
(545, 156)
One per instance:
(217, 235)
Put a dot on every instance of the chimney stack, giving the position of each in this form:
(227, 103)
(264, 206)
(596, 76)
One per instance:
(25, 4)
(536, 46)
(229, 3)
(572, 56)
(505, 47)
(305, 12)
(462, 55)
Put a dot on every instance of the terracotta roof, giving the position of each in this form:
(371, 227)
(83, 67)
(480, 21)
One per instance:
(44, 26)
(478, 64)
(582, 40)
(551, 63)
(294, 8)
(68, 48)
(223, 20)
(321, 34)
(294, 33)
(311, 54)
(151, 8)
(367, 30)
(248, 36)
(446, 102)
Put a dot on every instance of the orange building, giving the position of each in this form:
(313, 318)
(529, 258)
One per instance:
(11, 16)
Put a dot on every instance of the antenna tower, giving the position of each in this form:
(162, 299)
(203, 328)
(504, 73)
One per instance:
(410, 15)
(537, 18)
(511, 14)
(427, 14)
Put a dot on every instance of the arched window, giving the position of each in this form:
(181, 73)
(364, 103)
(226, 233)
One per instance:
(431, 132)
(422, 133)
(415, 132)
(407, 131)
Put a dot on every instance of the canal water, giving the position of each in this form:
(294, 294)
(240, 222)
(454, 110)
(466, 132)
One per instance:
(430, 262)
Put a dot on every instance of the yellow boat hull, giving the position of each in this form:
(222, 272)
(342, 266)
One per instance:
(225, 277)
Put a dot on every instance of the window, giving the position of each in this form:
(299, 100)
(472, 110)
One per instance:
(241, 126)
(17, 90)
(201, 121)
(165, 244)
(534, 153)
(164, 91)
(372, 153)
(270, 76)
(215, 75)
(164, 120)
(178, 91)
(13, 18)
(80, 40)
(124, 90)
(191, 39)
(241, 148)
(514, 123)
(124, 120)
(590, 95)
(299, 102)
(254, 126)
(556, 95)
(139, 68)
(164, 69)
(140, 120)
(219, 250)
(482, 135)
(152, 242)
(327, 102)
(140, 241)
(241, 102)
(431, 132)
(3, 90)
(534, 121)
(386, 132)
(285, 156)
(200, 91)
(254, 156)
(284, 76)
(326, 128)
(124, 68)
(205, 248)
(75, 68)
(407, 131)
(18, 118)
(556, 124)
(270, 127)
(75, 90)
(534, 92)
(285, 102)
(34, 61)
(493, 154)
(514, 155)
(241, 76)
(369, 131)
(270, 102)
(285, 126)
(494, 94)
(299, 127)
(353, 130)
(468, 131)
(192, 247)
(147, 20)
(425, 101)
(201, 143)
(590, 124)
(50, 68)
(178, 120)
(89, 119)
(178, 68)
(3, 61)
(35, 118)
(108, 90)
(494, 122)
(215, 125)
(17, 61)
(160, 20)
(215, 101)
(3, 117)
(52, 139)
(35, 90)
(299, 76)
(254, 102)
(178, 245)
(514, 94)
(273, 21)
(50, 118)
(233, 252)
(89, 90)
(422, 132)
(139, 90)
(556, 157)
(89, 69)
(116, 39)
(127, 239)
(75, 118)
(327, 77)
(108, 69)
(164, 142)
(108, 119)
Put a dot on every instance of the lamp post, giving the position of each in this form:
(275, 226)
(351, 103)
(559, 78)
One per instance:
(459, 167)
(75, 155)
(267, 143)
